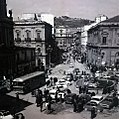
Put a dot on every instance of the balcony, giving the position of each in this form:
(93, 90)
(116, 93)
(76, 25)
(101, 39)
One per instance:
(28, 39)
(18, 40)
(38, 39)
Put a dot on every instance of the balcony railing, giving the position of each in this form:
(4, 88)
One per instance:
(38, 39)
(18, 40)
(28, 39)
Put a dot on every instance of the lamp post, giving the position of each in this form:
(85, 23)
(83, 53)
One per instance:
(49, 55)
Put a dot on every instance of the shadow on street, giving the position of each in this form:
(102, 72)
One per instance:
(12, 104)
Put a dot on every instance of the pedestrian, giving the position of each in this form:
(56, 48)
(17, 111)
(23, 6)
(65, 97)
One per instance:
(51, 81)
(80, 106)
(17, 101)
(60, 99)
(39, 101)
(46, 92)
(17, 95)
(104, 90)
(39, 91)
(93, 113)
(49, 101)
(80, 90)
(75, 104)
(56, 96)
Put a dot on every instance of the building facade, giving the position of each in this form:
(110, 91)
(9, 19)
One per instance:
(35, 34)
(6, 44)
(64, 36)
(9, 57)
(84, 31)
(77, 42)
(45, 17)
(24, 61)
(103, 43)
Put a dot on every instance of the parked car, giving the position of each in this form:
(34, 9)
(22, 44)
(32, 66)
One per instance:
(69, 77)
(52, 93)
(63, 81)
(107, 103)
(62, 87)
(59, 94)
(5, 115)
(92, 85)
(91, 104)
(97, 98)
(71, 65)
(76, 71)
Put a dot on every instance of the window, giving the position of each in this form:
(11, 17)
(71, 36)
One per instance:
(38, 35)
(61, 32)
(18, 36)
(28, 36)
(104, 40)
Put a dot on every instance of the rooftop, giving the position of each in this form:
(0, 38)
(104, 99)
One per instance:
(113, 19)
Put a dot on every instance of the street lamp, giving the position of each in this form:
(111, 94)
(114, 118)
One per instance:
(49, 49)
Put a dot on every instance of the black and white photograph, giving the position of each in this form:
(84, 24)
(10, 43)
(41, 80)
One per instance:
(59, 59)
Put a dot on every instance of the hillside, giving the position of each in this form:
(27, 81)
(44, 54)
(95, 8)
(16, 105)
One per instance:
(71, 22)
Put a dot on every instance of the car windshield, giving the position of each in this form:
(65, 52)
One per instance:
(18, 83)
(97, 99)
(60, 86)
(62, 81)
(52, 93)
(92, 104)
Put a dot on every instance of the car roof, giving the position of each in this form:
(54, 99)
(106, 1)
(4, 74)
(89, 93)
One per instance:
(97, 96)
(94, 101)
(53, 91)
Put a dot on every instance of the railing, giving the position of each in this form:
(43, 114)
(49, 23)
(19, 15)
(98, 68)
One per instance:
(18, 40)
(28, 39)
(38, 39)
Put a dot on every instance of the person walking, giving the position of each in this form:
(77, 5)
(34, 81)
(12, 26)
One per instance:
(56, 96)
(75, 104)
(93, 113)
(49, 101)
(39, 101)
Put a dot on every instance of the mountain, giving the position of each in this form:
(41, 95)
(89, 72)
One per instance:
(71, 22)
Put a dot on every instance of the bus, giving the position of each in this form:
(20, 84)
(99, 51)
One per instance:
(29, 82)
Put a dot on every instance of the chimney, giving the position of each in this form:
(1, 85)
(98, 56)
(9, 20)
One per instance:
(3, 9)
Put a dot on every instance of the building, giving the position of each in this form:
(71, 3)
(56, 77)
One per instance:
(24, 61)
(11, 56)
(45, 17)
(64, 36)
(103, 43)
(6, 44)
(77, 42)
(84, 33)
(36, 34)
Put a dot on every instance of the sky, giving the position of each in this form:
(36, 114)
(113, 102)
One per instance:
(87, 9)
